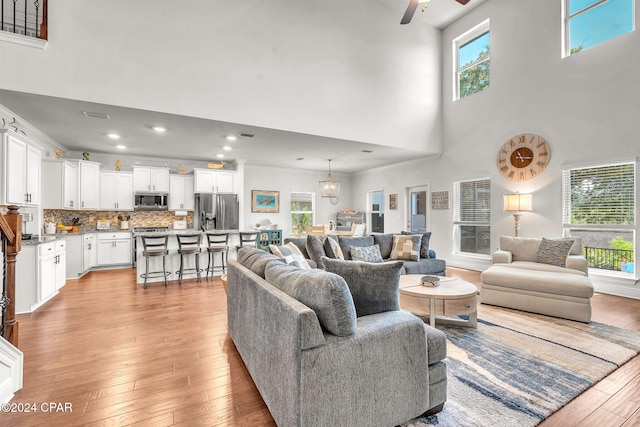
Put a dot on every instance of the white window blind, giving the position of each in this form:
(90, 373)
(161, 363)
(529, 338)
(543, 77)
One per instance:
(599, 195)
(472, 202)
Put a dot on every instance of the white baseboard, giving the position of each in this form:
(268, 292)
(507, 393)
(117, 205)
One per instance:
(11, 367)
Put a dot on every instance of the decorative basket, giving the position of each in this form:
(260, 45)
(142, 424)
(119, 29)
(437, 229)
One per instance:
(430, 281)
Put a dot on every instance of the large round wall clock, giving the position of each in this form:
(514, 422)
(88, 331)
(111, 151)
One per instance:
(523, 157)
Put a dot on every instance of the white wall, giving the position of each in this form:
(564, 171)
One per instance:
(343, 69)
(586, 106)
(285, 181)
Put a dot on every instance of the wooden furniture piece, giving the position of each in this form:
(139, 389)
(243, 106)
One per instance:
(217, 243)
(11, 233)
(315, 230)
(155, 246)
(345, 220)
(269, 237)
(248, 238)
(189, 244)
(454, 297)
(224, 282)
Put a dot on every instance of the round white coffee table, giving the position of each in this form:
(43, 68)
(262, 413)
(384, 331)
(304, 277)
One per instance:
(454, 297)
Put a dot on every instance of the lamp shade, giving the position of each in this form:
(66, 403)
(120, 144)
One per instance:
(329, 187)
(518, 202)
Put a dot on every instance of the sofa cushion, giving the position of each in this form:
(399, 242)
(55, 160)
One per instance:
(291, 254)
(366, 253)
(374, 287)
(315, 249)
(424, 245)
(553, 252)
(385, 241)
(521, 248)
(406, 247)
(347, 242)
(426, 266)
(256, 259)
(327, 294)
(332, 247)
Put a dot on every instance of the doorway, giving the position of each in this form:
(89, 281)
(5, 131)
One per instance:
(418, 202)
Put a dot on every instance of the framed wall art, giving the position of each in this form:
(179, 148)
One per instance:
(393, 202)
(439, 200)
(265, 201)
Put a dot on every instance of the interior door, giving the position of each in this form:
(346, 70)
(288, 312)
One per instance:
(417, 209)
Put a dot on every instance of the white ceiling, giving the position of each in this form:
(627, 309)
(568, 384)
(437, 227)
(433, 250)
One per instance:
(192, 138)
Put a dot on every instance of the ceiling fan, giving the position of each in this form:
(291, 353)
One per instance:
(413, 5)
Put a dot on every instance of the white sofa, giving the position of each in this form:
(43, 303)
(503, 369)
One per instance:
(515, 280)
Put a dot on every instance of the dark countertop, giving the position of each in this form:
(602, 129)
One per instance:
(37, 239)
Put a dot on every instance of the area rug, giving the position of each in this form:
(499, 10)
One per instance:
(518, 368)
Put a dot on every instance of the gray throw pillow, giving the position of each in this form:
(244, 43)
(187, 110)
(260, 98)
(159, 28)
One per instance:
(385, 241)
(375, 288)
(366, 253)
(327, 294)
(346, 243)
(256, 259)
(315, 249)
(554, 252)
(291, 254)
(332, 247)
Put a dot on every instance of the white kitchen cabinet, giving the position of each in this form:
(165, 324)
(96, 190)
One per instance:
(181, 193)
(149, 179)
(89, 184)
(46, 272)
(116, 190)
(60, 262)
(21, 165)
(73, 254)
(209, 181)
(89, 252)
(59, 189)
(114, 248)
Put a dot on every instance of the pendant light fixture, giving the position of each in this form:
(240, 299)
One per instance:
(329, 188)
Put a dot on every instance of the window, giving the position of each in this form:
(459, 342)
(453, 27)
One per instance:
(598, 204)
(377, 211)
(471, 55)
(472, 216)
(302, 212)
(590, 22)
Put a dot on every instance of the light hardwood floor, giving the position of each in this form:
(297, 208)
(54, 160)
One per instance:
(161, 356)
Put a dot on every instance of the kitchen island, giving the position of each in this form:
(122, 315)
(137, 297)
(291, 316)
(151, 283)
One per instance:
(173, 259)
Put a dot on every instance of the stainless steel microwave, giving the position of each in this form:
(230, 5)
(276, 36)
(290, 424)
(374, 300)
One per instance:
(151, 202)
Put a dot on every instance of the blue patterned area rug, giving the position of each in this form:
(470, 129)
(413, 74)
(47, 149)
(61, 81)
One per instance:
(518, 368)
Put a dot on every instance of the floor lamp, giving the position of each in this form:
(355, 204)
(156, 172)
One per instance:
(517, 203)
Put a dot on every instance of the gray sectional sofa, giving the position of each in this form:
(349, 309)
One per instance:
(427, 264)
(323, 352)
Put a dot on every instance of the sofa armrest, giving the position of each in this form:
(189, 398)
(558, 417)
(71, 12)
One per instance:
(502, 257)
(577, 262)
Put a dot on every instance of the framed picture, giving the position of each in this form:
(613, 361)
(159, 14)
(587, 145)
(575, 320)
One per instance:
(393, 202)
(265, 201)
(440, 200)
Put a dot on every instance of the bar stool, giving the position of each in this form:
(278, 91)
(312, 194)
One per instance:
(217, 243)
(155, 246)
(188, 244)
(248, 239)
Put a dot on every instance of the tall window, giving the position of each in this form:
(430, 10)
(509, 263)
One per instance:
(598, 204)
(302, 211)
(472, 59)
(590, 22)
(472, 216)
(377, 211)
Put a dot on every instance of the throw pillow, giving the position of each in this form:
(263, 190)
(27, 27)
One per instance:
(424, 245)
(332, 248)
(366, 253)
(327, 294)
(374, 287)
(290, 253)
(347, 242)
(554, 252)
(406, 247)
(257, 260)
(315, 249)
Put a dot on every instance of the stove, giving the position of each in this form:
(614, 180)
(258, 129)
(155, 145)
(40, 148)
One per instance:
(135, 239)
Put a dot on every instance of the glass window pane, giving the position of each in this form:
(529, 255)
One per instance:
(604, 22)
(578, 5)
(473, 51)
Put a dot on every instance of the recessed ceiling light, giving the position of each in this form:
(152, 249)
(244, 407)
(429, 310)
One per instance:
(300, 158)
(121, 147)
(219, 156)
(159, 128)
(231, 137)
(226, 148)
(367, 151)
(113, 135)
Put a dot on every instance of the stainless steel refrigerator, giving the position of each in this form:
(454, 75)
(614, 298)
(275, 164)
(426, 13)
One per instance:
(216, 212)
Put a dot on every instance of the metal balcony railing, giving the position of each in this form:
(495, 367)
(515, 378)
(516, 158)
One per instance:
(24, 17)
(609, 259)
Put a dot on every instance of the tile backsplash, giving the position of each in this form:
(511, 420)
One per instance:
(137, 218)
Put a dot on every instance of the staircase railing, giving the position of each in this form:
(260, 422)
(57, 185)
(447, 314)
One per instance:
(11, 234)
(25, 17)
